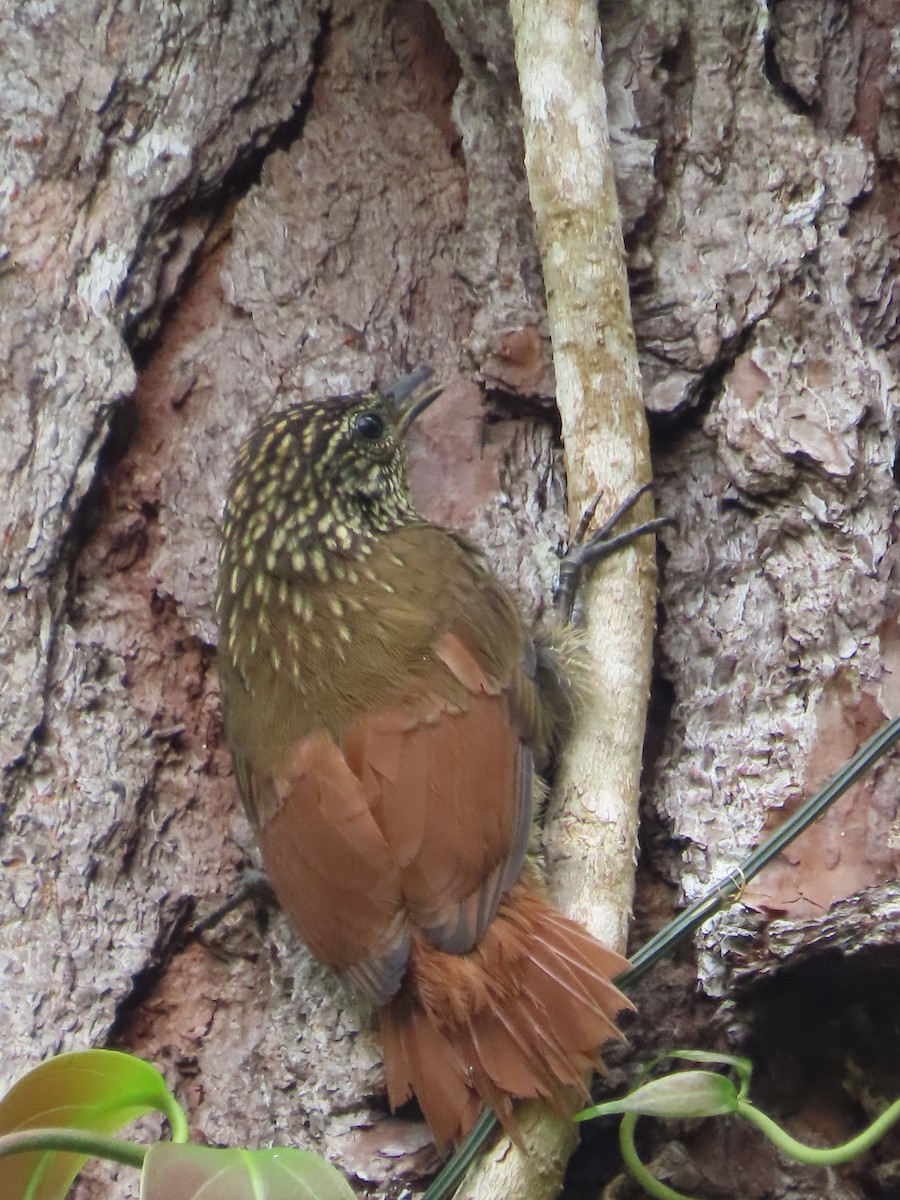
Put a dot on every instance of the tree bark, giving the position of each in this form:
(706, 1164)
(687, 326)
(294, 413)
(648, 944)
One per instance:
(211, 211)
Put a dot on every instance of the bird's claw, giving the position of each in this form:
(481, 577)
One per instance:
(584, 551)
(251, 885)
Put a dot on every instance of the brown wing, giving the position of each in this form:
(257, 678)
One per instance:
(331, 866)
(421, 819)
(450, 785)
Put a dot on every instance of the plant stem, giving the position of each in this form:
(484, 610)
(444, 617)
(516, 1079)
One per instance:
(819, 1156)
(650, 1184)
(74, 1141)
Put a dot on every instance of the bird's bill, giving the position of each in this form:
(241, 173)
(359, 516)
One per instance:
(407, 399)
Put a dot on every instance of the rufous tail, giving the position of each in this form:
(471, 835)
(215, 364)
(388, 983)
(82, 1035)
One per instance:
(521, 1015)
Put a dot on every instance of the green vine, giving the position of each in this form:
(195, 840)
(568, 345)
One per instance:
(708, 1094)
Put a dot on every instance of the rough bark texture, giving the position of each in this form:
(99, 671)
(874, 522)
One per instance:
(211, 210)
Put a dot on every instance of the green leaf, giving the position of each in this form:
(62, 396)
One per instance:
(98, 1091)
(684, 1094)
(203, 1173)
(743, 1066)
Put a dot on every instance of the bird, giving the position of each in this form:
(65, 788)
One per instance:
(389, 711)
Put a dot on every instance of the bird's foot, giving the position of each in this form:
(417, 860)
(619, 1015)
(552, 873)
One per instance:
(251, 885)
(584, 551)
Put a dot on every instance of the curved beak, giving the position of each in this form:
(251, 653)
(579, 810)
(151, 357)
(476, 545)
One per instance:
(407, 398)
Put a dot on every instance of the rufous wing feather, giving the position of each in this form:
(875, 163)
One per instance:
(432, 789)
(333, 870)
(418, 820)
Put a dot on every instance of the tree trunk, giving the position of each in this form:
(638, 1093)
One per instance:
(212, 211)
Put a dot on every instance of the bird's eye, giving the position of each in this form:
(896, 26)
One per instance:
(369, 426)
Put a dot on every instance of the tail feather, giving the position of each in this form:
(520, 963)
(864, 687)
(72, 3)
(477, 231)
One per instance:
(580, 995)
(502, 1052)
(521, 1015)
(417, 1057)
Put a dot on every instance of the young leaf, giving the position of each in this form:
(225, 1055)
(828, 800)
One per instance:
(97, 1091)
(683, 1094)
(190, 1172)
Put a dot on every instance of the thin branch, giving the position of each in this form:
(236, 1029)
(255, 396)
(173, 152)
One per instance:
(590, 839)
